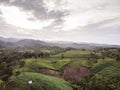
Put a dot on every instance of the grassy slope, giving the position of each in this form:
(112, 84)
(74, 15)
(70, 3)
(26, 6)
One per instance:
(111, 72)
(32, 64)
(41, 82)
(107, 68)
(57, 63)
(73, 53)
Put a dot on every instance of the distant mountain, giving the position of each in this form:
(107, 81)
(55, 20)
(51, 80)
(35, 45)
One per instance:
(7, 44)
(82, 45)
(9, 39)
(37, 44)
(29, 43)
(2, 44)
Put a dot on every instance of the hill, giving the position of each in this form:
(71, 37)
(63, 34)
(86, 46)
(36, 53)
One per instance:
(83, 45)
(9, 39)
(40, 82)
(15, 43)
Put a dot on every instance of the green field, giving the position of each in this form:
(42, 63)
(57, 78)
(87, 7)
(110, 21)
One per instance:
(73, 54)
(101, 70)
(40, 82)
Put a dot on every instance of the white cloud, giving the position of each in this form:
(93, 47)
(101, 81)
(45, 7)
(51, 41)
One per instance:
(15, 16)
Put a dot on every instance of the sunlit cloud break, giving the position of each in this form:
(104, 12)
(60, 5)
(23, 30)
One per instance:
(14, 16)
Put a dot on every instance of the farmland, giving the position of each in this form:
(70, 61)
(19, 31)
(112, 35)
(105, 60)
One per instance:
(68, 70)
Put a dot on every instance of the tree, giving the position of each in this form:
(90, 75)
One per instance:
(62, 56)
(118, 57)
(99, 83)
(22, 63)
(5, 72)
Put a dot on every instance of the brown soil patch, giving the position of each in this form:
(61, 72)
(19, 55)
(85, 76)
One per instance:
(70, 73)
(50, 72)
(75, 74)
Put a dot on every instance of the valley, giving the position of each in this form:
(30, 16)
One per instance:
(57, 68)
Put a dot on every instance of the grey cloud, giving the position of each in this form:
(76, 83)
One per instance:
(59, 19)
(103, 31)
(0, 12)
(40, 11)
(56, 25)
(101, 23)
(57, 14)
(3, 1)
(37, 7)
(31, 19)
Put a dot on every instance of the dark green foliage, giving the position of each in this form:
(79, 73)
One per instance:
(17, 73)
(118, 57)
(99, 83)
(98, 67)
(22, 63)
(111, 72)
(5, 71)
(62, 56)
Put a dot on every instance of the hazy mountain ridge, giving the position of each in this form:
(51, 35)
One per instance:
(9, 39)
(38, 44)
(83, 45)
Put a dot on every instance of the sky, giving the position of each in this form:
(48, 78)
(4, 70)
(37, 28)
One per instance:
(91, 21)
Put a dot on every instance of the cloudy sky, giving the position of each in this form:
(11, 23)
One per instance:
(93, 21)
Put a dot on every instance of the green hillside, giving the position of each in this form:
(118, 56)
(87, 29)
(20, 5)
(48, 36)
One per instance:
(40, 82)
(74, 54)
(82, 70)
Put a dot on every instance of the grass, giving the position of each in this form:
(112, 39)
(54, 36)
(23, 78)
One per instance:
(50, 64)
(111, 72)
(72, 58)
(73, 54)
(99, 66)
(33, 65)
(41, 82)
(79, 63)
(62, 63)
(108, 68)
(1, 81)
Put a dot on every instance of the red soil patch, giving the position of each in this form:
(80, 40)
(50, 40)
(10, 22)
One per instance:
(50, 72)
(75, 74)
(70, 73)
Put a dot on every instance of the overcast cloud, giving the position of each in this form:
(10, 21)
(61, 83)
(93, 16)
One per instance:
(94, 21)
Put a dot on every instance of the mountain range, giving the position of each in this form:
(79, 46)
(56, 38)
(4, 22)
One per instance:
(16, 43)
